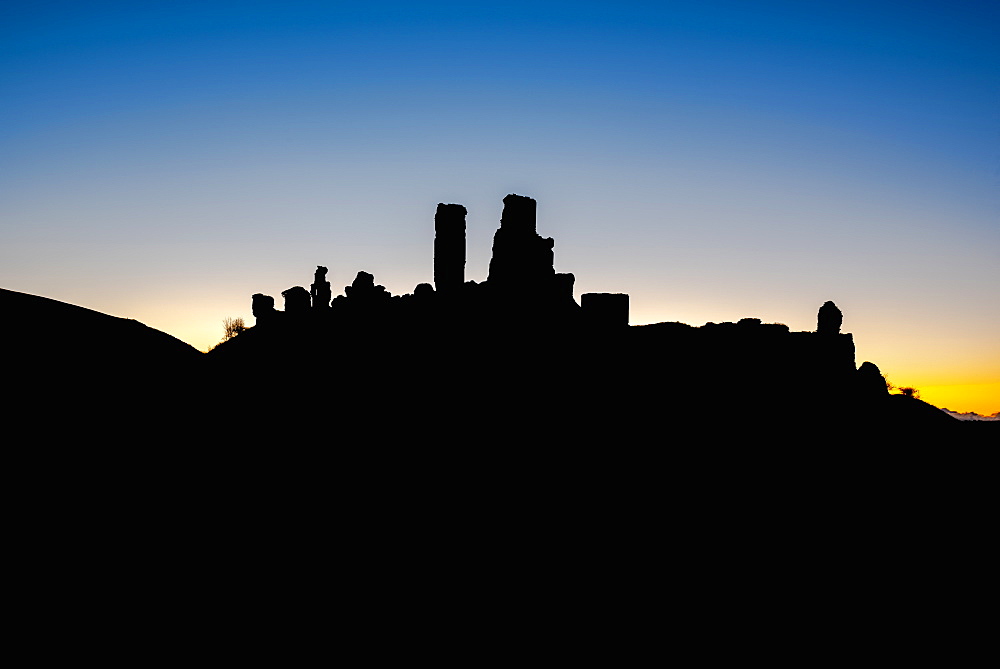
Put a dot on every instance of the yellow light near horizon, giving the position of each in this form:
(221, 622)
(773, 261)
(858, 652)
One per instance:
(981, 398)
(199, 325)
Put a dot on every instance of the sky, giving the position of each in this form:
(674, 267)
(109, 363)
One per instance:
(715, 160)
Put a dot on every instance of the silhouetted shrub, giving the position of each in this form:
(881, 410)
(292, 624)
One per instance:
(233, 327)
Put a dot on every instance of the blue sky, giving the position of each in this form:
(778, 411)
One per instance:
(715, 160)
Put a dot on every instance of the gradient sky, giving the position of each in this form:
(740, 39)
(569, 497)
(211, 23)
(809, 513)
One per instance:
(163, 161)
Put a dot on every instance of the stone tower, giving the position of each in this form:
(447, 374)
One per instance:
(449, 248)
(320, 290)
(521, 257)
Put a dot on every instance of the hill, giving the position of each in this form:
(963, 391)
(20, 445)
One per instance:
(46, 332)
(64, 360)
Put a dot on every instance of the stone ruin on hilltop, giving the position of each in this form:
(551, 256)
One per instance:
(522, 282)
(522, 328)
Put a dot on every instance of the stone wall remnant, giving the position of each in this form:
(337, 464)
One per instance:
(263, 307)
(605, 309)
(829, 319)
(363, 288)
(297, 300)
(871, 383)
(521, 257)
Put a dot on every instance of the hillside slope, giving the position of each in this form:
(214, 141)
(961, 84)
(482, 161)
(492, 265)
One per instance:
(57, 331)
(64, 364)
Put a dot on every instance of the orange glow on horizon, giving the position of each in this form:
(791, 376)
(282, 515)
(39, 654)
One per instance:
(981, 398)
(955, 378)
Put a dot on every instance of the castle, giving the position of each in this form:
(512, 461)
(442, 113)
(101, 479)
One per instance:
(520, 339)
(522, 282)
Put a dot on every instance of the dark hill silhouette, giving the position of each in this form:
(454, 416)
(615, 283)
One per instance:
(69, 363)
(465, 427)
(513, 361)
(66, 334)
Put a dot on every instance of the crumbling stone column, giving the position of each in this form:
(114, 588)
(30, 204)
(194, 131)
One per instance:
(519, 214)
(320, 290)
(263, 307)
(829, 319)
(563, 286)
(449, 248)
(363, 289)
(870, 383)
(296, 300)
(521, 257)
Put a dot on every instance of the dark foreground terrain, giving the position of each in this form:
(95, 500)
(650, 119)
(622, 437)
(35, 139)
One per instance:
(418, 492)
(72, 371)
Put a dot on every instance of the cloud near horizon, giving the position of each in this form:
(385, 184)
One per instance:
(972, 415)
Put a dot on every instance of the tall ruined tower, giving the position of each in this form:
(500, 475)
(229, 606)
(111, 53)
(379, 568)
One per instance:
(449, 247)
(521, 257)
(320, 290)
(522, 271)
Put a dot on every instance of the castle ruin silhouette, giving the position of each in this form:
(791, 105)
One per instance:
(519, 343)
(513, 360)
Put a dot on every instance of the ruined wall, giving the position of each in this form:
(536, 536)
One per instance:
(605, 309)
(521, 257)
